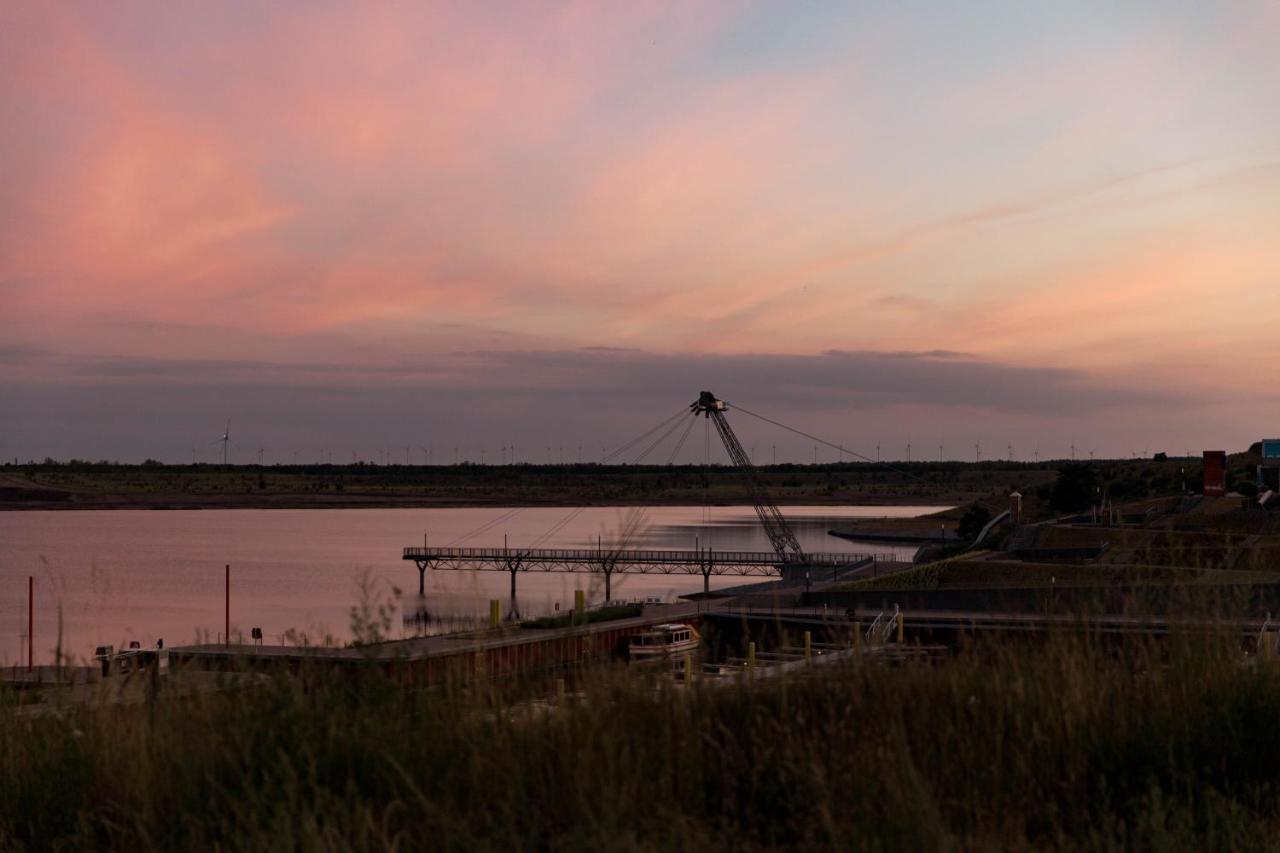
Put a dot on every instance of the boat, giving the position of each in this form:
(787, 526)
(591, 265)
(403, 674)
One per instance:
(671, 639)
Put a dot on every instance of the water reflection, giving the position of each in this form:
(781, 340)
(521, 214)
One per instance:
(118, 576)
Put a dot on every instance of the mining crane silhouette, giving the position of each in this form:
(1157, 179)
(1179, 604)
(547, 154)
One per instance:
(775, 526)
(787, 558)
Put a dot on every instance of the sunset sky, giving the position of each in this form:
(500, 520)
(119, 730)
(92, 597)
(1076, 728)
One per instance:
(349, 227)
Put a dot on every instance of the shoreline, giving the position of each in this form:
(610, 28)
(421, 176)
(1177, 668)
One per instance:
(160, 504)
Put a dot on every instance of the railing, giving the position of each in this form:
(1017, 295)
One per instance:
(595, 555)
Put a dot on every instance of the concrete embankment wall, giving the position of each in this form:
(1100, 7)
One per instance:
(499, 655)
(1120, 599)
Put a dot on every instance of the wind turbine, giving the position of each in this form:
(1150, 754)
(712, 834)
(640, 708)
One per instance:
(226, 440)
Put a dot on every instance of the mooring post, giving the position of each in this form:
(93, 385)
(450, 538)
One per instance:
(900, 632)
(751, 655)
(495, 613)
(857, 636)
(227, 609)
(688, 669)
(31, 621)
(808, 646)
(579, 607)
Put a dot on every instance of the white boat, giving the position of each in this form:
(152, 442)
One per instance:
(672, 639)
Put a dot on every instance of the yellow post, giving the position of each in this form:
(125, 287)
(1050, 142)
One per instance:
(579, 606)
(751, 655)
(899, 614)
(808, 647)
(495, 613)
(857, 636)
(560, 690)
(688, 669)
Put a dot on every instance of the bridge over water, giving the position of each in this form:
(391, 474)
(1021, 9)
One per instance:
(608, 562)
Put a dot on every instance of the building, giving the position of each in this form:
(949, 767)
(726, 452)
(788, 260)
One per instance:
(1215, 473)
(1269, 467)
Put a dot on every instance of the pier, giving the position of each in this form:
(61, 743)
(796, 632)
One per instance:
(607, 562)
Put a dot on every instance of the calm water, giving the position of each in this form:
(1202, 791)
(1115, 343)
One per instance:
(140, 575)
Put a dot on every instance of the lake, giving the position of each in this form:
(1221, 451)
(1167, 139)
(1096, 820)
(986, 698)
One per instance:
(141, 575)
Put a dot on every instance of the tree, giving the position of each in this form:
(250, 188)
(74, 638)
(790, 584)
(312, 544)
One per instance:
(1076, 488)
(972, 522)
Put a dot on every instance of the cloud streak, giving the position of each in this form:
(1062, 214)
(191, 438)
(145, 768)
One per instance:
(350, 195)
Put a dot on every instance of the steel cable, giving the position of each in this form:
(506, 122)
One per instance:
(823, 441)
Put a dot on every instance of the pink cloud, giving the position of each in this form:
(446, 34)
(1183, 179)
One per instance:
(379, 169)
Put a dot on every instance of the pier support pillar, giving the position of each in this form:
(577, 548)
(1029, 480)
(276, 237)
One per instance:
(422, 577)
(751, 655)
(513, 567)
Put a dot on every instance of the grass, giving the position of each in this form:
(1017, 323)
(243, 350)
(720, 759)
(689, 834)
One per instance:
(1064, 743)
(927, 576)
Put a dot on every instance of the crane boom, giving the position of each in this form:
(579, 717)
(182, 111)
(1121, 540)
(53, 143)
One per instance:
(775, 526)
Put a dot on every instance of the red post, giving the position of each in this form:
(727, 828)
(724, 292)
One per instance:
(226, 638)
(31, 621)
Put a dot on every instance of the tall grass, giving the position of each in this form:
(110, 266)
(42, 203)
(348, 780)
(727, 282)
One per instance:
(1063, 743)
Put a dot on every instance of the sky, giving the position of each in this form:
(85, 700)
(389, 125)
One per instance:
(353, 229)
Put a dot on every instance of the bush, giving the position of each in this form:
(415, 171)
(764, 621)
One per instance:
(1076, 488)
(972, 522)
(1065, 743)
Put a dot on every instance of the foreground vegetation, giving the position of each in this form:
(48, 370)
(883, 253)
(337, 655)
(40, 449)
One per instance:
(1064, 744)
